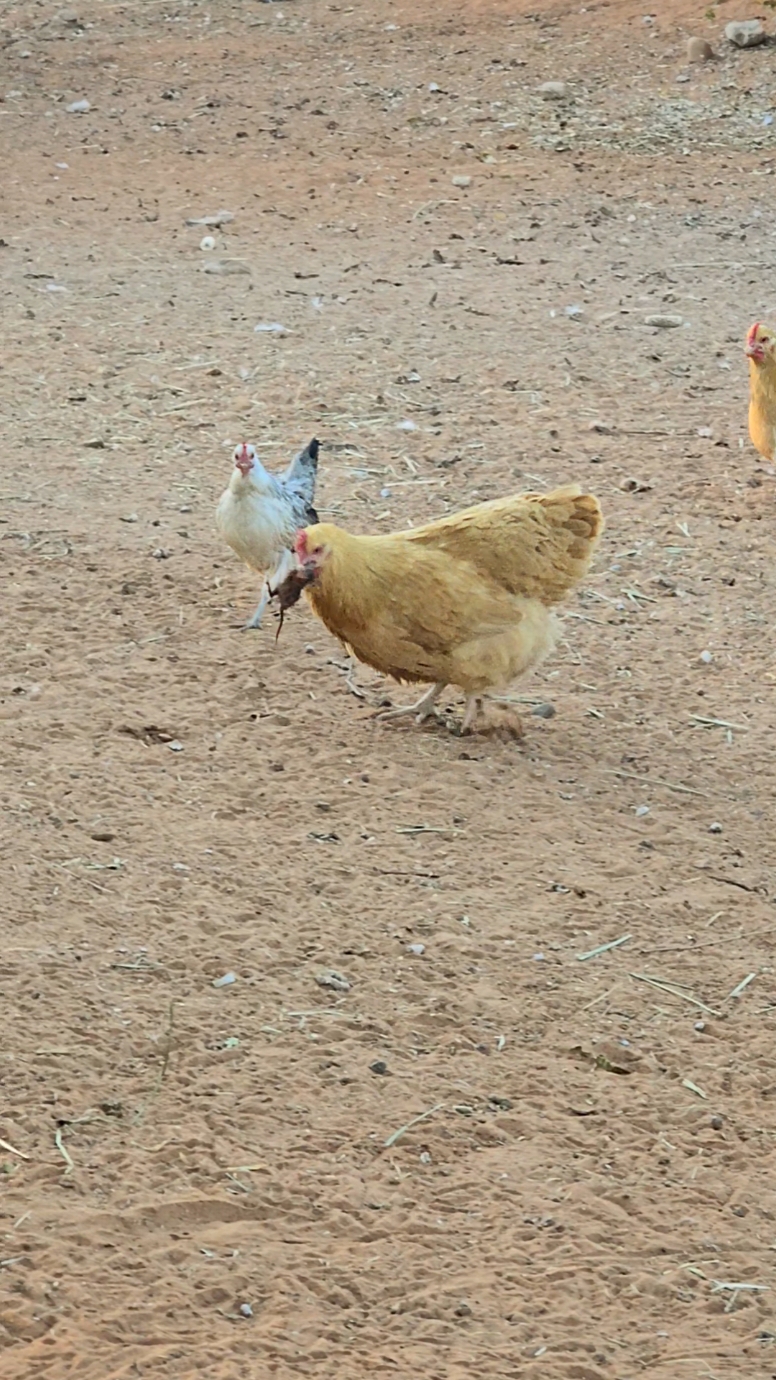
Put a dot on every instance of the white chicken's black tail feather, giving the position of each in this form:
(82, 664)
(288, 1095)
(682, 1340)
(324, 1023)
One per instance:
(303, 471)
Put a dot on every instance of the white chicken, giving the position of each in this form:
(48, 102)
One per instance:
(260, 513)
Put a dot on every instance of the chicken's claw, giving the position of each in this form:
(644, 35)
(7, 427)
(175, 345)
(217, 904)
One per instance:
(422, 709)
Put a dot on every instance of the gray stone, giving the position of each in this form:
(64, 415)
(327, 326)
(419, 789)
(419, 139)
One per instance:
(745, 33)
(553, 90)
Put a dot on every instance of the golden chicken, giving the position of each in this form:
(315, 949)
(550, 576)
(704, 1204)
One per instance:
(761, 351)
(464, 601)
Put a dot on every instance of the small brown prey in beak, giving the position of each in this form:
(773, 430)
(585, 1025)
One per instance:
(289, 592)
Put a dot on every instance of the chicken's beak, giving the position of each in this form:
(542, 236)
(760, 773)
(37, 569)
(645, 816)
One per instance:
(754, 349)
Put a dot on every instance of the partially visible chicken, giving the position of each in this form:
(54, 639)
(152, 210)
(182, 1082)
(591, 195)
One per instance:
(260, 513)
(761, 350)
(463, 601)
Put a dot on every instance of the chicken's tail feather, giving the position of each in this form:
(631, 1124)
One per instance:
(575, 524)
(305, 462)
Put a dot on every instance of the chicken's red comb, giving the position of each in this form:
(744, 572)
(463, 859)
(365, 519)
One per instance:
(752, 336)
(300, 545)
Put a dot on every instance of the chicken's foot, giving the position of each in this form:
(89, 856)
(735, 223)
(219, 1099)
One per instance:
(473, 707)
(421, 709)
(255, 621)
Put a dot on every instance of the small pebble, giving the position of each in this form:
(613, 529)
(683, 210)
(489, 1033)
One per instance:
(220, 218)
(432, 86)
(544, 711)
(666, 322)
(246, 1310)
(745, 33)
(463, 1311)
(78, 107)
(175, 746)
(225, 266)
(379, 1066)
(329, 977)
(461, 181)
(641, 811)
(207, 243)
(706, 658)
(698, 50)
(715, 828)
(553, 90)
(406, 425)
(269, 328)
(416, 949)
(225, 981)
(716, 1123)
(424, 1157)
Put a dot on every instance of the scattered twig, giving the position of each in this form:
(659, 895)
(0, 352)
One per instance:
(693, 1087)
(673, 990)
(348, 671)
(141, 965)
(5, 1145)
(602, 996)
(397, 1135)
(245, 1187)
(742, 986)
(655, 781)
(731, 881)
(64, 1152)
(680, 948)
(734, 1288)
(703, 722)
(604, 948)
(167, 1049)
(404, 872)
(425, 829)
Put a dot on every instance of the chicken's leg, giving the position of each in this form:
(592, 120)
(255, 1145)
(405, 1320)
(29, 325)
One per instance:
(473, 707)
(255, 621)
(422, 707)
(284, 567)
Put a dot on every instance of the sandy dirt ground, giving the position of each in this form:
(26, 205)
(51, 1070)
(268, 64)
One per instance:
(199, 1180)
